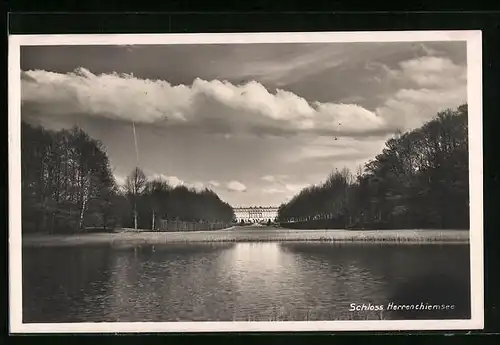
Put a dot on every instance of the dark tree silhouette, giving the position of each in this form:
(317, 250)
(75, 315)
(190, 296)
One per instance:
(67, 186)
(419, 180)
(66, 180)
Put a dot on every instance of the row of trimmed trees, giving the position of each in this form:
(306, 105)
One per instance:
(419, 180)
(67, 185)
(152, 200)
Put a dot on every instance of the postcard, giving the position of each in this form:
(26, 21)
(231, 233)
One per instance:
(246, 182)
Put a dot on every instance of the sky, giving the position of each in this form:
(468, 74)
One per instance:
(254, 122)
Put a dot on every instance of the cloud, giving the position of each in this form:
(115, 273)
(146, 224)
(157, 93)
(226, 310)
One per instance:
(276, 180)
(301, 132)
(173, 181)
(427, 85)
(236, 186)
(423, 85)
(321, 150)
(288, 188)
(197, 185)
(120, 180)
(268, 178)
(295, 187)
(215, 106)
(281, 184)
(272, 190)
(432, 72)
(293, 65)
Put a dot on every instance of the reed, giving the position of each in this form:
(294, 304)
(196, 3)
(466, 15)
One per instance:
(329, 236)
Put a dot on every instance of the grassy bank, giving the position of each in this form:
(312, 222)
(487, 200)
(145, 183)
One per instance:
(249, 235)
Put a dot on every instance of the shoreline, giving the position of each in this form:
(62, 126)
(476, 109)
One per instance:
(126, 237)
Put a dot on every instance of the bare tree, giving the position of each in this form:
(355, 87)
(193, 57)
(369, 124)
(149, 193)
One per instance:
(135, 185)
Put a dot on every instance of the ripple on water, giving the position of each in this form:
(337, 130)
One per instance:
(236, 281)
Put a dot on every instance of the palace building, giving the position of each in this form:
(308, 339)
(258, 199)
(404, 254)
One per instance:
(256, 214)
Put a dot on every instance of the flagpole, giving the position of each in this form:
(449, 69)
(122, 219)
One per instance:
(137, 166)
(135, 143)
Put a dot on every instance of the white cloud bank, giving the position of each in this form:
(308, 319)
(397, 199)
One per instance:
(174, 181)
(120, 181)
(216, 105)
(424, 86)
(214, 183)
(427, 85)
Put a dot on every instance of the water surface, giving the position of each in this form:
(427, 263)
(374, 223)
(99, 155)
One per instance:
(242, 282)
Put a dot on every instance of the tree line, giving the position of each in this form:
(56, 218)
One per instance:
(419, 180)
(67, 185)
(151, 200)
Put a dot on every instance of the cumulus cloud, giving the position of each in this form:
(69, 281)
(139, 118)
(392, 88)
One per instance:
(236, 186)
(197, 185)
(426, 85)
(432, 72)
(423, 85)
(173, 181)
(406, 94)
(215, 105)
(120, 180)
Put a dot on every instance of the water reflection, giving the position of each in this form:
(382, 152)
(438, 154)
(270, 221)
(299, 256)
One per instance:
(65, 284)
(240, 281)
(402, 275)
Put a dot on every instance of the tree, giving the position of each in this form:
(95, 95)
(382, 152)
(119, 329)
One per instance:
(419, 180)
(67, 185)
(157, 192)
(64, 176)
(135, 186)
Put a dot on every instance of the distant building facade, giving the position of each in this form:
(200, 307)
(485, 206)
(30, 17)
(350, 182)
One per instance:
(256, 214)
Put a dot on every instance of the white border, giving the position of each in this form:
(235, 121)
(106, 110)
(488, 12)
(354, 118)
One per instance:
(474, 89)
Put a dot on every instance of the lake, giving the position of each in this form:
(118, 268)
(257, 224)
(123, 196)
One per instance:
(264, 281)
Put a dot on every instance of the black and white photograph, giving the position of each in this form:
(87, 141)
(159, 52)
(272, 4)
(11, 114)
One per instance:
(246, 182)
